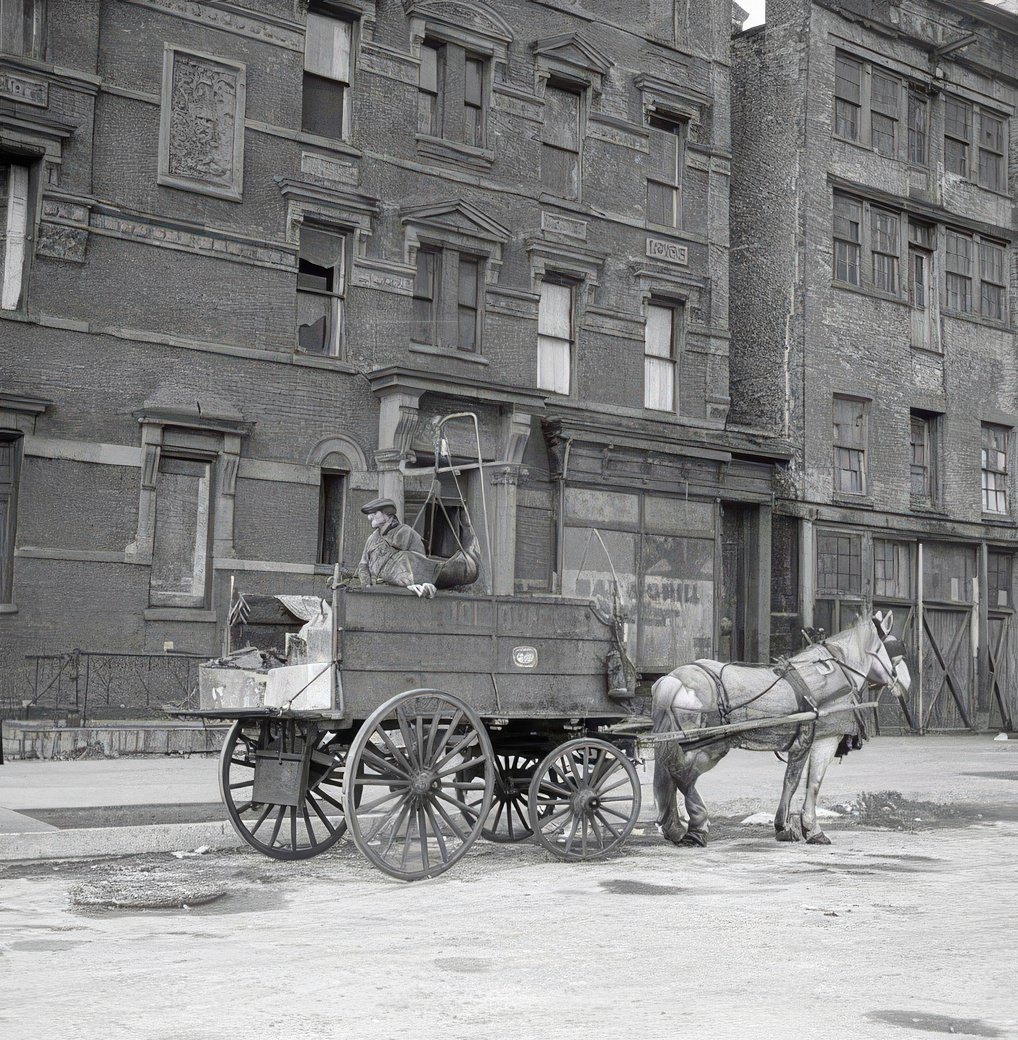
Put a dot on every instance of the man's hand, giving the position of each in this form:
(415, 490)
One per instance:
(425, 590)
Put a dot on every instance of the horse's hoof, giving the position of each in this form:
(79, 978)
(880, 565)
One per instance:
(694, 840)
(675, 837)
(788, 834)
(818, 839)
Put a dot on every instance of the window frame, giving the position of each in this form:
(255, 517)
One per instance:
(975, 146)
(975, 275)
(329, 473)
(865, 248)
(449, 122)
(335, 317)
(858, 447)
(445, 303)
(9, 518)
(675, 310)
(12, 28)
(833, 598)
(573, 285)
(15, 267)
(929, 423)
(1000, 482)
(868, 104)
(579, 91)
(677, 127)
(329, 13)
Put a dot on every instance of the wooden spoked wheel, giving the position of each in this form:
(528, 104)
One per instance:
(295, 809)
(508, 818)
(584, 799)
(420, 778)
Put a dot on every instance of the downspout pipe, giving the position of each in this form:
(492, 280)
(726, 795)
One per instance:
(560, 547)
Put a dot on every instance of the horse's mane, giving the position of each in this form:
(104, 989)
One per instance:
(840, 638)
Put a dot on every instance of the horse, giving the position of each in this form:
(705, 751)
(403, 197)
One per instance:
(828, 676)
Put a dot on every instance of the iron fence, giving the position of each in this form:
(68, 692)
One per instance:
(97, 686)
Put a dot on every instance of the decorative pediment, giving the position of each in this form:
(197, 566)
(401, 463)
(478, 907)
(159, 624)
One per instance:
(474, 23)
(573, 56)
(456, 218)
(671, 97)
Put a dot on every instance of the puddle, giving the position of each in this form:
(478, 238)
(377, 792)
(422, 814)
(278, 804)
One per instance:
(622, 887)
(465, 965)
(44, 945)
(1004, 774)
(935, 1023)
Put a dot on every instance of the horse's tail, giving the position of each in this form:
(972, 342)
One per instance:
(670, 696)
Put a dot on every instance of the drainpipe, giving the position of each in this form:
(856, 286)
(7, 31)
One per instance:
(920, 624)
(560, 548)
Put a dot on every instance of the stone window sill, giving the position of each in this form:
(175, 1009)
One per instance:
(999, 520)
(8, 608)
(842, 498)
(452, 151)
(873, 294)
(977, 319)
(333, 144)
(448, 352)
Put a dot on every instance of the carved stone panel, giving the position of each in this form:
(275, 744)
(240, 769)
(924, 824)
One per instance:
(201, 138)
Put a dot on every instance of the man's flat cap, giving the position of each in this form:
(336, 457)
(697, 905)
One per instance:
(376, 505)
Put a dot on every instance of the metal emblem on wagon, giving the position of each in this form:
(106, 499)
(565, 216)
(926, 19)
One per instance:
(525, 656)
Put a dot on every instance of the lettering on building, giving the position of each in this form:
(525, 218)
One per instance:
(669, 252)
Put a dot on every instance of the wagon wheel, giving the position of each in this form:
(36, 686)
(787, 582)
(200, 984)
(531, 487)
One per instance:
(508, 819)
(584, 799)
(288, 828)
(421, 773)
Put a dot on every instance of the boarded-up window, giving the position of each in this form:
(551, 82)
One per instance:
(8, 513)
(23, 27)
(321, 287)
(467, 302)
(560, 148)
(327, 47)
(994, 467)
(660, 357)
(850, 440)
(555, 337)
(13, 232)
(664, 172)
(948, 573)
(180, 549)
(473, 101)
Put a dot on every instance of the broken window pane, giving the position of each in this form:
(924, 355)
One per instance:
(320, 290)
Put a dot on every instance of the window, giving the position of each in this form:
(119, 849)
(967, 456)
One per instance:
(847, 97)
(560, 147)
(331, 511)
(994, 467)
(867, 104)
(922, 465)
(847, 239)
(661, 349)
(892, 570)
(442, 319)
(180, 549)
(998, 580)
(321, 285)
(922, 294)
(966, 126)
(441, 518)
(23, 27)
(429, 115)
(971, 258)
(14, 182)
(9, 445)
(884, 100)
(918, 128)
(957, 135)
(555, 336)
(664, 172)
(326, 98)
(850, 441)
(839, 580)
(451, 94)
(885, 233)
(992, 171)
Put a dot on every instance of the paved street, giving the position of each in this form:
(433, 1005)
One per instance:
(887, 933)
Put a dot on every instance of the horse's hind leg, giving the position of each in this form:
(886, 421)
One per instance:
(699, 818)
(819, 759)
(786, 826)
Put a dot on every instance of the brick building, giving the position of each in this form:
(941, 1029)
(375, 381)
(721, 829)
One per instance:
(252, 250)
(873, 230)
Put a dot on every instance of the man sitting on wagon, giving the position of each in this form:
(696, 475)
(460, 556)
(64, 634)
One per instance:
(391, 551)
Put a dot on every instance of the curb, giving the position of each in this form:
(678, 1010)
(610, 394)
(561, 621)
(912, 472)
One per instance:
(85, 842)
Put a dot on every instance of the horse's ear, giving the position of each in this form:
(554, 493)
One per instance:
(884, 622)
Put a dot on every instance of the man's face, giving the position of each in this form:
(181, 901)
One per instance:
(378, 518)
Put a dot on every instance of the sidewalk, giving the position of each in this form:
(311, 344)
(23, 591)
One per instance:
(55, 810)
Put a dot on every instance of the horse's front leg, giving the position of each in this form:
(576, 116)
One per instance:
(819, 759)
(667, 759)
(699, 819)
(786, 826)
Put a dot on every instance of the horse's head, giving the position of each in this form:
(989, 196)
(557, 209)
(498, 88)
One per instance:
(887, 656)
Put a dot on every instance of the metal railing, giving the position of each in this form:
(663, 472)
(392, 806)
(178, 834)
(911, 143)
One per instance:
(89, 686)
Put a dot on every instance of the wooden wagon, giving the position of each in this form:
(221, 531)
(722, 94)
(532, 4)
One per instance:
(438, 721)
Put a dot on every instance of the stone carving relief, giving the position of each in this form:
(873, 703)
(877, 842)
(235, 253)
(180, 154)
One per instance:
(202, 131)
